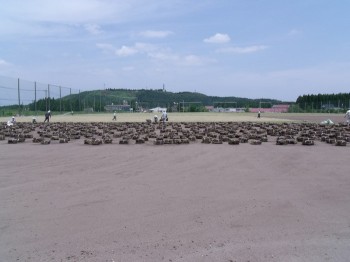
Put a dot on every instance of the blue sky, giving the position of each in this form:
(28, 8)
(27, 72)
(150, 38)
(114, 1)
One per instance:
(246, 48)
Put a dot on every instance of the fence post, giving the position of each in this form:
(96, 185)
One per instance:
(70, 96)
(35, 98)
(46, 100)
(48, 93)
(60, 101)
(19, 99)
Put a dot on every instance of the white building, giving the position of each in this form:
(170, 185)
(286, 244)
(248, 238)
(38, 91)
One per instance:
(158, 109)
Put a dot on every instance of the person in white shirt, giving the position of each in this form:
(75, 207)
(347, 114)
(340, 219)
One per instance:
(347, 116)
(164, 118)
(155, 118)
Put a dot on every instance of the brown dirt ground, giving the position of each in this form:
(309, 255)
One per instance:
(73, 202)
(188, 117)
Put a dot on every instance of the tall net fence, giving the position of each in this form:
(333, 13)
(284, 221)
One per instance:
(29, 95)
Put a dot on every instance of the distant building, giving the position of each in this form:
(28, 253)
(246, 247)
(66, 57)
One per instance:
(274, 109)
(209, 108)
(280, 108)
(111, 108)
(218, 109)
(225, 110)
(158, 109)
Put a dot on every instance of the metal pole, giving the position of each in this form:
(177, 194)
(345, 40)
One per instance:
(79, 101)
(60, 101)
(183, 106)
(35, 97)
(46, 99)
(100, 100)
(70, 95)
(19, 99)
(48, 94)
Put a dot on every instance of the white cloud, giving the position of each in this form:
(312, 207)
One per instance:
(157, 54)
(84, 11)
(218, 39)
(77, 11)
(164, 56)
(126, 51)
(242, 50)
(38, 17)
(178, 60)
(93, 29)
(145, 47)
(193, 60)
(155, 34)
(4, 63)
(294, 32)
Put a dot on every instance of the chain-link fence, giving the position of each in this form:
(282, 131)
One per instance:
(32, 96)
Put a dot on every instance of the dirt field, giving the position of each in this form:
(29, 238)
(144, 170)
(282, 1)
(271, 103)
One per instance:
(188, 117)
(196, 202)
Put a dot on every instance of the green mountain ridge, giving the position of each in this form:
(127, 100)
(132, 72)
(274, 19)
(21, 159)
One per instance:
(146, 99)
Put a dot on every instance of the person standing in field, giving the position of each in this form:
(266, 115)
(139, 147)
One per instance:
(155, 119)
(47, 116)
(259, 114)
(164, 118)
(347, 116)
(114, 116)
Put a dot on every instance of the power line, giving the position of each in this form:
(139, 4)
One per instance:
(5, 87)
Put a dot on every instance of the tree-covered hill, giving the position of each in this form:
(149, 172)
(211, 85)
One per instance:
(321, 102)
(145, 99)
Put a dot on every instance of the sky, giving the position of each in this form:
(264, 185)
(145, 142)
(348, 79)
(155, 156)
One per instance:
(278, 49)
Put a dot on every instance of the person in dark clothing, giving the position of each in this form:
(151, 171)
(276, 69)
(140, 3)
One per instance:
(47, 116)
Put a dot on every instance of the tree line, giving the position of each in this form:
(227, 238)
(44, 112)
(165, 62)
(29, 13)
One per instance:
(189, 101)
(323, 102)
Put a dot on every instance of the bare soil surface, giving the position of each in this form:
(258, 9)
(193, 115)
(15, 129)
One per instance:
(311, 118)
(193, 202)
